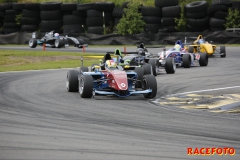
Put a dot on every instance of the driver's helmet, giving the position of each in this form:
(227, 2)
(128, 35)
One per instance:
(201, 41)
(141, 51)
(111, 64)
(141, 45)
(56, 35)
(177, 47)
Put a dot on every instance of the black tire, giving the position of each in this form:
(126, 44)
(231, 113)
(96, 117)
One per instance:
(186, 61)
(221, 2)
(72, 81)
(79, 13)
(203, 22)
(32, 43)
(10, 25)
(12, 12)
(104, 6)
(74, 28)
(170, 66)
(51, 25)
(68, 6)
(86, 86)
(10, 18)
(167, 21)
(29, 28)
(164, 3)
(149, 82)
(203, 61)
(151, 19)
(154, 64)
(190, 49)
(171, 11)
(30, 21)
(196, 6)
(140, 73)
(235, 5)
(6, 6)
(50, 6)
(98, 21)
(31, 13)
(216, 23)
(196, 15)
(51, 15)
(118, 12)
(59, 43)
(11, 30)
(32, 6)
(72, 19)
(95, 30)
(97, 13)
(223, 51)
(153, 28)
(220, 15)
(83, 69)
(151, 11)
(196, 29)
(147, 69)
(211, 10)
(85, 6)
(18, 6)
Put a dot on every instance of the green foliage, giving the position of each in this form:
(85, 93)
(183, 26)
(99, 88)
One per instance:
(131, 22)
(232, 19)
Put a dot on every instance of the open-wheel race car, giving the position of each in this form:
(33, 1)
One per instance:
(54, 40)
(200, 45)
(112, 80)
(182, 57)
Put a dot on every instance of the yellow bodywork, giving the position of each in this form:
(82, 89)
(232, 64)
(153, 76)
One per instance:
(204, 47)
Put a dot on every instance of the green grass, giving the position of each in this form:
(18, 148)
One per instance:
(12, 60)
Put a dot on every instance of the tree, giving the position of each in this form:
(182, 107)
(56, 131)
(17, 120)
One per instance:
(232, 19)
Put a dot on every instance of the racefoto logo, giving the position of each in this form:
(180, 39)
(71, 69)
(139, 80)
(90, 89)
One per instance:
(210, 151)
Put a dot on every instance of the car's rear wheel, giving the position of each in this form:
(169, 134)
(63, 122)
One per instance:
(147, 69)
(140, 72)
(170, 65)
(222, 51)
(149, 82)
(59, 43)
(186, 61)
(154, 64)
(203, 61)
(86, 86)
(72, 81)
(32, 43)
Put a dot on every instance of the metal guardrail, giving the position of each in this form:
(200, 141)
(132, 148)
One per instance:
(233, 29)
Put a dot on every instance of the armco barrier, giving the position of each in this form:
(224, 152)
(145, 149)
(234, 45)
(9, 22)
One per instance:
(221, 37)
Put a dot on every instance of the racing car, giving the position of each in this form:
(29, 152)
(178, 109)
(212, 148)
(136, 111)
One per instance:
(110, 81)
(182, 57)
(54, 40)
(202, 46)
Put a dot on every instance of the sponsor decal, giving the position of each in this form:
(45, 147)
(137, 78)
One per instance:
(123, 84)
(211, 151)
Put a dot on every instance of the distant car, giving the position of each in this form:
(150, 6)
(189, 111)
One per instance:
(182, 57)
(110, 81)
(201, 46)
(54, 40)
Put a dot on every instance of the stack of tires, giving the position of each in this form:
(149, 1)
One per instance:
(197, 19)
(152, 18)
(100, 16)
(235, 5)
(73, 21)
(10, 24)
(117, 14)
(218, 12)
(51, 17)
(170, 11)
(30, 17)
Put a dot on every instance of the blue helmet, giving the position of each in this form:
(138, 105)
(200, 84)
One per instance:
(201, 41)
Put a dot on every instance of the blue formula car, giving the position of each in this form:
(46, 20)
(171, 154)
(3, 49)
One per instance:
(182, 57)
(112, 80)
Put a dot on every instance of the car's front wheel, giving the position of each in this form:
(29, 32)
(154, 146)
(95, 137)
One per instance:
(86, 86)
(59, 43)
(32, 43)
(149, 82)
(72, 81)
(170, 65)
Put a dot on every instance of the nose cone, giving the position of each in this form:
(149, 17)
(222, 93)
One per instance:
(120, 78)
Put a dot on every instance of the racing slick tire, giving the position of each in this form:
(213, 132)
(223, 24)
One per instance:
(147, 69)
(190, 49)
(72, 81)
(149, 82)
(186, 61)
(83, 69)
(223, 51)
(203, 61)
(85, 86)
(140, 72)
(170, 65)
(59, 43)
(154, 64)
(32, 43)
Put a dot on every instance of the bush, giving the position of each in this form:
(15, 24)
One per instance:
(232, 19)
(131, 22)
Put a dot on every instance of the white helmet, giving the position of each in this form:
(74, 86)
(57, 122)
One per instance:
(56, 34)
(177, 47)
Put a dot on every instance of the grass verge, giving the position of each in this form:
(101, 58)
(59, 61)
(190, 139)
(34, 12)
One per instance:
(13, 60)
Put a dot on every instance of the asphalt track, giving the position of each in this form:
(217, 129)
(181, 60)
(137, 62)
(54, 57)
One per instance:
(39, 119)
